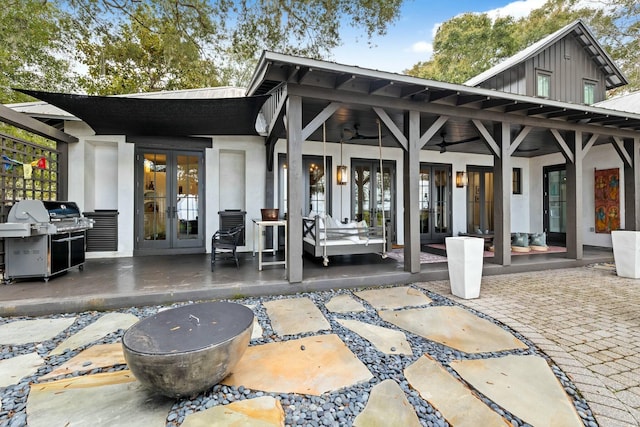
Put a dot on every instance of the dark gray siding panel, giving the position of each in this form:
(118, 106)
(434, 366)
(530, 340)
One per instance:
(569, 65)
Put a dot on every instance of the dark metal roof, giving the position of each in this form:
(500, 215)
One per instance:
(108, 115)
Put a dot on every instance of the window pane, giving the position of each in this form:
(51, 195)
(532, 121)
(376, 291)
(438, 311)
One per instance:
(589, 93)
(544, 85)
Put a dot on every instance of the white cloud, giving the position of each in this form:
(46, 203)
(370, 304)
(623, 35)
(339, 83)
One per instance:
(421, 47)
(517, 9)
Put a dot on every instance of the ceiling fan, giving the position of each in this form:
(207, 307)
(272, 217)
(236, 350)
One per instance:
(444, 143)
(349, 134)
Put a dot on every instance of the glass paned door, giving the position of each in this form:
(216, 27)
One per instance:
(434, 202)
(480, 200)
(170, 200)
(555, 203)
(373, 193)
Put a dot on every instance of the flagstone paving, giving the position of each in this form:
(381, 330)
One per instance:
(263, 411)
(12, 370)
(344, 304)
(454, 327)
(312, 365)
(385, 340)
(97, 356)
(106, 399)
(294, 316)
(330, 362)
(387, 407)
(37, 330)
(539, 400)
(396, 297)
(106, 324)
(458, 405)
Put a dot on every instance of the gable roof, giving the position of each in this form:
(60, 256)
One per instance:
(613, 75)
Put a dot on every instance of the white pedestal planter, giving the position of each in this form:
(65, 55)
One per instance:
(464, 258)
(626, 253)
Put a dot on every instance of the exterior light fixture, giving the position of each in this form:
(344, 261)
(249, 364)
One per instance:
(461, 179)
(342, 175)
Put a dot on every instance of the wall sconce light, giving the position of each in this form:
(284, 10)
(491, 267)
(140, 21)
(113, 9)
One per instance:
(461, 179)
(342, 175)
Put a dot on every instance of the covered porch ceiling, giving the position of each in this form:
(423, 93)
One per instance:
(358, 90)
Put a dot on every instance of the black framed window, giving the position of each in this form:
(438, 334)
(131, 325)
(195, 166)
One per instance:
(516, 184)
(589, 91)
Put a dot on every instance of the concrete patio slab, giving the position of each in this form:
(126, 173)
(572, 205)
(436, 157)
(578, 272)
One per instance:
(540, 399)
(97, 356)
(312, 365)
(454, 327)
(344, 304)
(259, 412)
(387, 407)
(386, 340)
(37, 330)
(106, 324)
(396, 297)
(113, 399)
(294, 316)
(457, 404)
(14, 369)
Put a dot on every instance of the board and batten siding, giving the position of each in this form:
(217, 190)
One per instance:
(569, 66)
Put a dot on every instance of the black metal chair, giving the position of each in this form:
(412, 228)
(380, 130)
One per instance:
(226, 242)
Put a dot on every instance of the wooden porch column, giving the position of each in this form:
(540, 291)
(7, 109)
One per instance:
(294, 189)
(574, 196)
(631, 185)
(411, 181)
(502, 195)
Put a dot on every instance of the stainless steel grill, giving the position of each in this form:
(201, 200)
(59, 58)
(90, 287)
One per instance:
(44, 238)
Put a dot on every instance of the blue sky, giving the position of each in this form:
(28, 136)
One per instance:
(409, 40)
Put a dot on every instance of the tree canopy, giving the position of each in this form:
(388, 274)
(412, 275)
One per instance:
(111, 47)
(468, 44)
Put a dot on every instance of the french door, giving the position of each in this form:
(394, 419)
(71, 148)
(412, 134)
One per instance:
(480, 200)
(435, 202)
(169, 200)
(373, 194)
(555, 203)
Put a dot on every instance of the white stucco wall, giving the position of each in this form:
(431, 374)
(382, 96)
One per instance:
(252, 150)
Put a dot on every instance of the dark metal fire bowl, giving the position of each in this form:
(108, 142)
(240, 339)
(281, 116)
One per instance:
(183, 351)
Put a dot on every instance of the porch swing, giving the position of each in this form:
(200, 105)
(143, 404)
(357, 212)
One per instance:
(324, 237)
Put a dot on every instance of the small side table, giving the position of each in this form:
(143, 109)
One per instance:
(258, 229)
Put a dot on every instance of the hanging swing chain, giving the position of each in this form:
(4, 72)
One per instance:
(384, 228)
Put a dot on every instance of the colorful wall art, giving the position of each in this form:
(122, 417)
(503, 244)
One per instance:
(607, 200)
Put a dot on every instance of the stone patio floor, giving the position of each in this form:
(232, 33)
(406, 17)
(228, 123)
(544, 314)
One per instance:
(307, 357)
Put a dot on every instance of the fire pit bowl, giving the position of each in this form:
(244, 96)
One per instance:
(185, 350)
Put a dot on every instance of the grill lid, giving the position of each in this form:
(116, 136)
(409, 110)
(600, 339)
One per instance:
(38, 211)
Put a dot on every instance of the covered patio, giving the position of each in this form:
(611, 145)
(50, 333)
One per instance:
(110, 283)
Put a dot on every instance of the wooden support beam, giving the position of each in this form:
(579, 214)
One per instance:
(25, 122)
(502, 176)
(592, 140)
(295, 194)
(488, 139)
(518, 139)
(397, 133)
(632, 185)
(575, 214)
(344, 79)
(409, 91)
(433, 129)
(563, 145)
(379, 86)
(411, 179)
(318, 120)
(618, 144)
